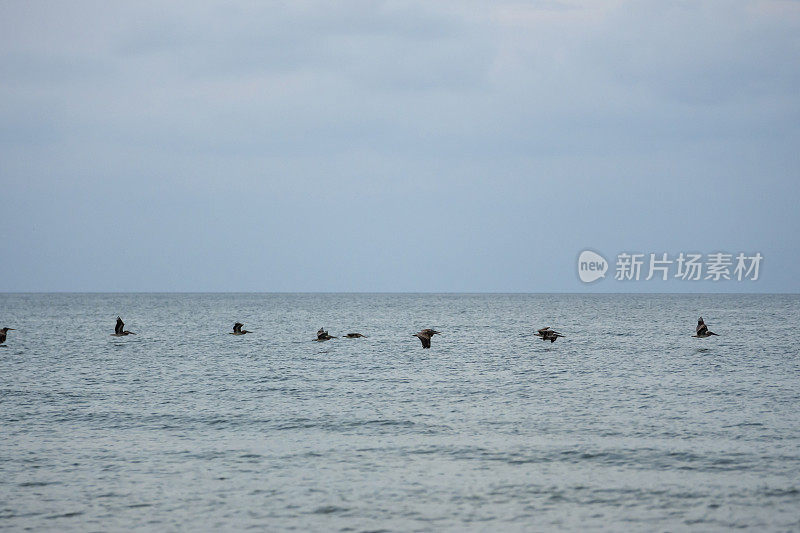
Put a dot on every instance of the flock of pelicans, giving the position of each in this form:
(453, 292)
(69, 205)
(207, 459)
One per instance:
(546, 334)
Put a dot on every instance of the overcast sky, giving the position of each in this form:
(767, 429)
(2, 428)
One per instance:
(393, 146)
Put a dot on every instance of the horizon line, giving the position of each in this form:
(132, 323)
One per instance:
(410, 292)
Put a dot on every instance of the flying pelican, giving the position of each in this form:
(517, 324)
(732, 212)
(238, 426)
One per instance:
(237, 329)
(119, 331)
(425, 337)
(355, 336)
(547, 334)
(322, 335)
(701, 332)
(3, 335)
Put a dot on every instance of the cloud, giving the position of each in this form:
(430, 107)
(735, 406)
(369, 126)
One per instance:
(482, 124)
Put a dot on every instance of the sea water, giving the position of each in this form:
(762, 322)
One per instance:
(627, 423)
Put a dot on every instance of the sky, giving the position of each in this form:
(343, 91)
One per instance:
(394, 146)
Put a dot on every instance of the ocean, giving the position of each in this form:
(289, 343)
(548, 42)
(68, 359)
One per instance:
(628, 423)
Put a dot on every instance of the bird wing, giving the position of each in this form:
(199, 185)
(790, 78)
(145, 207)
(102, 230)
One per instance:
(702, 329)
(543, 330)
(426, 341)
(119, 327)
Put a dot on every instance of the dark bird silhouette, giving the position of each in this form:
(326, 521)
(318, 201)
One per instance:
(119, 330)
(701, 332)
(547, 334)
(425, 337)
(237, 329)
(3, 335)
(355, 336)
(322, 335)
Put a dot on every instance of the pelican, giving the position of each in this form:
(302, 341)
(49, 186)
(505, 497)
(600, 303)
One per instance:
(701, 332)
(322, 335)
(355, 336)
(119, 331)
(547, 334)
(3, 335)
(237, 329)
(425, 337)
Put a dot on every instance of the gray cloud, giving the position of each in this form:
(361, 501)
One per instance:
(478, 128)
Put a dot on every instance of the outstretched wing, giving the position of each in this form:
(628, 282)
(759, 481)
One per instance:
(119, 327)
(426, 341)
(701, 330)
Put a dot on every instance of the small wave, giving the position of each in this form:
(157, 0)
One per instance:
(778, 493)
(38, 483)
(65, 515)
(744, 425)
(329, 509)
(349, 425)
